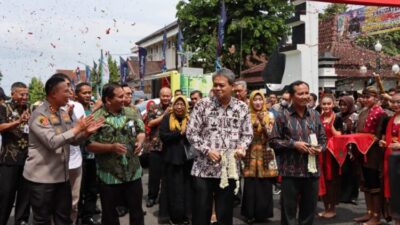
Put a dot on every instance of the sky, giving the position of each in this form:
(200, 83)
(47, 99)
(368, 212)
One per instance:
(38, 37)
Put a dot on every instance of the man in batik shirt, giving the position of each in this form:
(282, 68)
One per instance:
(298, 137)
(219, 128)
(117, 145)
(14, 115)
(154, 117)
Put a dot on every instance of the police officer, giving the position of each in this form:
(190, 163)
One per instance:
(14, 115)
(46, 168)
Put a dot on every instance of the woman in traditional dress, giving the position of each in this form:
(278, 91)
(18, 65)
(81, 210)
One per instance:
(259, 164)
(330, 167)
(349, 176)
(391, 142)
(177, 166)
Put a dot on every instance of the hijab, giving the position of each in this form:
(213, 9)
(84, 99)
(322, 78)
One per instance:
(253, 111)
(178, 123)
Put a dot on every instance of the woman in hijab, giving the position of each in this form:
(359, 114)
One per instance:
(349, 184)
(259, 164)
(177, 178)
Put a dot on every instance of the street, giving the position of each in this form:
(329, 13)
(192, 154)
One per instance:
(345, 212)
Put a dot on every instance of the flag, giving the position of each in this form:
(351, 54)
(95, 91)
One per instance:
(123, 67)
(104, 72)
(221, 32)
(94, 65)
(164, 49)
(87, 70)
(142, 66)
(180, 47)
(101, 69)
(78, 74)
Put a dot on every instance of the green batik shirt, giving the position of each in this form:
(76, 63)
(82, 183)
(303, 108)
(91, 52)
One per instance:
(123, 128)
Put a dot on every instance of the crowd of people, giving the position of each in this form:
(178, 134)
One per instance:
(205, 155)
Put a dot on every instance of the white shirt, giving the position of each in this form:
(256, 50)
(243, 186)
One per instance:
(75, 155)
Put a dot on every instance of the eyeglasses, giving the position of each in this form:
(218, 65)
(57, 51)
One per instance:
(395, 102)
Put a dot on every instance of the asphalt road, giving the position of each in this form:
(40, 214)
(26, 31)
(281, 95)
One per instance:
(345, 212)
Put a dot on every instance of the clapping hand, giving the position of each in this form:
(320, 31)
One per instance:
(260, 116)
(95, 125)
(24, 117)
(70, 109)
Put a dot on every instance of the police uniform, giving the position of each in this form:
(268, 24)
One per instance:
(46, 167)
(12, 158)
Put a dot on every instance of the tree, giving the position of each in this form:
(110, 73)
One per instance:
(36, 90)
(261, 23)
(1, 76)
(113, 68)
(390, 42)
(332, 10)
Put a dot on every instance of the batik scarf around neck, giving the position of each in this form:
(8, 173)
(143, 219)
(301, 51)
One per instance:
(253, 112)
(174, 123)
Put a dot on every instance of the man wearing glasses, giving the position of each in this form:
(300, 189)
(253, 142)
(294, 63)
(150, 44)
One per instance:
(14, 114)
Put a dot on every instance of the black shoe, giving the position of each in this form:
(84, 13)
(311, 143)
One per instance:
(186, 221)
(122, 211)
(89, 221)
(23, 223)
(97, 211)
(250, 221)
(150, 203)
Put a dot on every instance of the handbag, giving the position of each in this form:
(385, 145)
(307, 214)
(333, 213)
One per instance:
(272, 164)
(190, 151)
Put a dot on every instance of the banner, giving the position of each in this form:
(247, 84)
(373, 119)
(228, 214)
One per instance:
(368, 20)
(365, 2)
(123, 67)
(142, 66)
(78, 74)
(221, 34)
(179, 45)
(87, 73)
(189, 83)
(164, 49)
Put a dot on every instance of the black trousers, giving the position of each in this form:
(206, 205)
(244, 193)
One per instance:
(128, 194)
(51, 202)
(87, 201)
(156, 166)
(207, 190)
(13, 183)
(301, 192)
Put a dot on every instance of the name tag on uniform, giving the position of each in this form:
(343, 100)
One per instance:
(26, 129)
